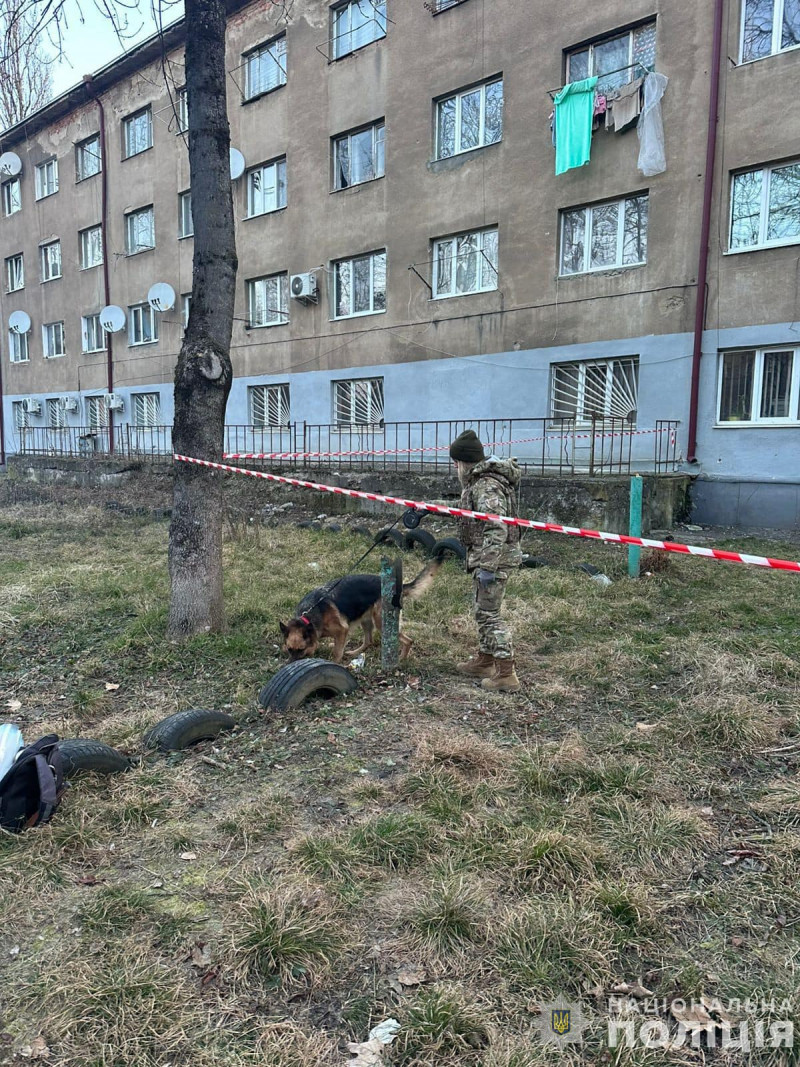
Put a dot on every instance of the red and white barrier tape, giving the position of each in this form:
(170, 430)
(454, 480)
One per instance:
(528, 524)
(437, 448)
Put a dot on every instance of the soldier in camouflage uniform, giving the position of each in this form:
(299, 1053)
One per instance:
(489, 485)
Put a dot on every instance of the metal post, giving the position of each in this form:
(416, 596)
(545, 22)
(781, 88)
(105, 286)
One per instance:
(390, 614)
(635, 525)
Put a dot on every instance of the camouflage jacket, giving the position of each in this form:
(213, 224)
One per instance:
(492, 487)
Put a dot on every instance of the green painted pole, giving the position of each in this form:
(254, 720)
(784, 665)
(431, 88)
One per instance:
(635, 525)
(390, 615)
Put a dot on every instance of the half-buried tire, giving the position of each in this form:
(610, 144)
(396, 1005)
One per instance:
(81, 754)
(391, 537)
(308, 679)
(449, 547)
(425, 540)
(186, 728)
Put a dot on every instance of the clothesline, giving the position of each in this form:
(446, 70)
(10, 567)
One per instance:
(552, 93)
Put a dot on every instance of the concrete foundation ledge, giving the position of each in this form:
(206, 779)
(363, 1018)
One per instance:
(747, 504)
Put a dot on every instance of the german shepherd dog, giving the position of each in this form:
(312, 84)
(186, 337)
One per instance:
(334, 608)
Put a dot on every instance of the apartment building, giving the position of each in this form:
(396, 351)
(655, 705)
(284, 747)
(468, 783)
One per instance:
(395, 164)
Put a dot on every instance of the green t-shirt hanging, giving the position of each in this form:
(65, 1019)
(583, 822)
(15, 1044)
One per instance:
(574, 108)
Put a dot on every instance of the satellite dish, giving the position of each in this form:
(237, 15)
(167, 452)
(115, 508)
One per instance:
(10, 164)
(112, 318)
(237, 164)
(161, 297)
(19, 322)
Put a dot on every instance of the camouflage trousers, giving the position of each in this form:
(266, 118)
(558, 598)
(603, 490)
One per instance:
(494, 633)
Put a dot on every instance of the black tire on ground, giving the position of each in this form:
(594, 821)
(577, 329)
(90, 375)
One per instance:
(391, 537)
(82, 754)
(533, 562)
(185, 728)
(308, 678)
(449, 546)
(363, 531)
(423, 538)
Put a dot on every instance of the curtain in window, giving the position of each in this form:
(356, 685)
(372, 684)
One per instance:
(777, 384)
(736, 401)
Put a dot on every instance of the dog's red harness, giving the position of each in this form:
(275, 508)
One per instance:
(305, 619)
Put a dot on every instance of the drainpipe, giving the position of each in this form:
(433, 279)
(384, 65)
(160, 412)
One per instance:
(89, 83)
(2, 422)
(705, 231)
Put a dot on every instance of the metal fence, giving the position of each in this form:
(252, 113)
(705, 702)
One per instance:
(560, 447)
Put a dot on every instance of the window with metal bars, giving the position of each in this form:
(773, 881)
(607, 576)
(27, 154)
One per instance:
(96, 412)
(760, 386)
(358, 402)
(269, 405)
(146, 410)
(55, 413)
(22, 419)
(600, 389)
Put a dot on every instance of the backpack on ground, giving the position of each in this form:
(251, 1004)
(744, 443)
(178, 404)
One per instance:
(31, 790)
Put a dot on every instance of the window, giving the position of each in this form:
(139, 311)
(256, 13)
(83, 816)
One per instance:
(359, 285)
(22, 419)
(604, 236)
(46, 179)
(470, 119)
(186, 307)
(269, 405)
(12, 197)
(146, 409)
(760, 386)
(140, 231)
(600, 389)
(90, 244)
(466, 263)
(359, 157)
(17, 347)
(182, 109)
(185, 222)
(93, 336)
(268, 301)
(88, 158)
(358, 402)
(50, 258)
(96, 412)
(15, 273)
(765, 207)
(55, 413)
(265, 68)
(615, 59)
(142, 325)
(357, 23)
(266, 188)
(137, 133)
(53, 340)
(769, 26)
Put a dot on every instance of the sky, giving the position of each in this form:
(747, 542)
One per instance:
(90, 44)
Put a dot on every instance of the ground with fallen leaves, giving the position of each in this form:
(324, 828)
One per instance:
(627, 827)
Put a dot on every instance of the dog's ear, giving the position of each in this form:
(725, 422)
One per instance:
(284, 629)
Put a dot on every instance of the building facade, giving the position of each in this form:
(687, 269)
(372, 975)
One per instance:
(402, 154)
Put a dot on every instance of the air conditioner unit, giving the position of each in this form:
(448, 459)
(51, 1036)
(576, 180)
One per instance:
(304, 286)
(69, 403)
(31, 406)
(114, 402)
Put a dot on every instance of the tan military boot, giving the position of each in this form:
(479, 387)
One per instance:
(480, 666)
(505, 679)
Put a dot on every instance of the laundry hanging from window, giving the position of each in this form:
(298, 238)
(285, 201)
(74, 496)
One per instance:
(574, 117)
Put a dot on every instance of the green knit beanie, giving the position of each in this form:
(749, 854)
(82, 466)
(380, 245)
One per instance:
(467, 448)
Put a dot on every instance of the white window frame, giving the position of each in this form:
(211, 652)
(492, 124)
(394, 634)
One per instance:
(336, 267)
(763, 222)
(281, 313)
(46, 178)
(458, 97)
(370, 7)
(89, 148)
(130, 232)
(53, 338)
(55, 414)
(92, 333)
(378, 130)
(20, 417)
(12, 197)
(485, 266)
(376, 399)
(50, 255)
(182, 109)
(85, 246)
(588, 211)
(266, 173)
(634, 72)
(18, 350)
(777, 32)
(581, 417)
(268, 399)
(136, 318)
(127, 127)
(185, 220)
(276, 50)
(96, 412)
(15, 272)
(755, 418)
(186, 307)
(146, 410)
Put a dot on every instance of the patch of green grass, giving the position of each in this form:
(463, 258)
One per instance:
(440, 1026)
(395, 840)
(451, 914)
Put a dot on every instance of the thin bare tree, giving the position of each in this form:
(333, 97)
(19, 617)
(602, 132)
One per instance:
(26, 83)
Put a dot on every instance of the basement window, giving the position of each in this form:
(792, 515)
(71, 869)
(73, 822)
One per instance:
(595, 389)
(358, 402)
(146, 410)
(760, 386)
(269, 405)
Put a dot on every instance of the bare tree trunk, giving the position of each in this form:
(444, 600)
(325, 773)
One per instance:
(203, 373)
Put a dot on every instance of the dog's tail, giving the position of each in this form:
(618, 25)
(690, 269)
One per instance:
(423, 581)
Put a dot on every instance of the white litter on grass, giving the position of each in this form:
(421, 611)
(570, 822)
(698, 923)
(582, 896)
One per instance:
(357, 663)
(369, 1053)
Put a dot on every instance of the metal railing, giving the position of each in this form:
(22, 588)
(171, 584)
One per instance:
(562, 447)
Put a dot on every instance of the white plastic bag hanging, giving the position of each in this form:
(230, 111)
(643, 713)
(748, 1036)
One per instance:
(652, 156)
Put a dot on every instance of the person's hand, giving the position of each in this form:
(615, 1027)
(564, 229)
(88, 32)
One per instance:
(485, 578)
